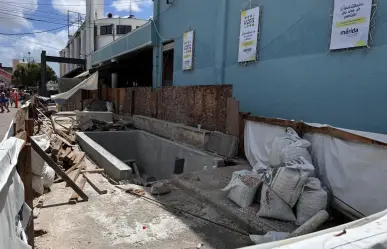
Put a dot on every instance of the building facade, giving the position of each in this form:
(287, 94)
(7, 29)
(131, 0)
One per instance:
(96, 32)
(295, 75)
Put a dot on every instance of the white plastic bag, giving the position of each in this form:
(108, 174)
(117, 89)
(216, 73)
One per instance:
(37, 184)
(313, 199)
(48, 176)
(109, 106)
(272, 206)
(268, 237)
(288, 180)
(295, 150)
(37, 161)
(288, 147)
(243, 186)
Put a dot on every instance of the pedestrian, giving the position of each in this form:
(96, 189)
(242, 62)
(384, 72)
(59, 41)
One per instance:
(3, 101)
(12, 97)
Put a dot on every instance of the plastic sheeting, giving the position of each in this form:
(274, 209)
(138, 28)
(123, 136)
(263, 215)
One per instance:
(11, 197)
(368, 233)
(91, 83)
(355, 173)
(258, 141)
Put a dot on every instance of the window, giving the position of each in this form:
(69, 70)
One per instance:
(106, 30)
(123, 29)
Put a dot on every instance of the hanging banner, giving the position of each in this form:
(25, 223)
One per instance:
(248, 35)
(351, 23)
(188, 50)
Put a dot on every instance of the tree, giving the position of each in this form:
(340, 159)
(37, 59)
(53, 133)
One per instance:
(29, 74)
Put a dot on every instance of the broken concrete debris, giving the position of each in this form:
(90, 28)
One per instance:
(161, 188)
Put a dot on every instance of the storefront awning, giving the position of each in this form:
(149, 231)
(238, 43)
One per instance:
(91, 83)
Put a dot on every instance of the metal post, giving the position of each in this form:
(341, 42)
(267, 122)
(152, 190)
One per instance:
(43, 75)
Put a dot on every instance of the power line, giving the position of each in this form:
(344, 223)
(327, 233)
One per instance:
(34, 10)
(123, 2)
(30, 18)
(32, 33)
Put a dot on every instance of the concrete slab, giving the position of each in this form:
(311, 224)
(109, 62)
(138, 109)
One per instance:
(154, 155)
(174, 131)
(114, 167)
(206, 185)
(118, 220)
(222, 144)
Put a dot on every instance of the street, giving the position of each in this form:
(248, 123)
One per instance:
(5, 120)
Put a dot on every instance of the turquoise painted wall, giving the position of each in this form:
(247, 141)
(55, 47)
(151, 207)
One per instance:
(295, 77)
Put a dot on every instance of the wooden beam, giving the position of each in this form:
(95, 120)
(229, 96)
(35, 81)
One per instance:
(58, 170)
(296, 125)
(27, 176)
(94, 185)
(93, 171)
(74, 197)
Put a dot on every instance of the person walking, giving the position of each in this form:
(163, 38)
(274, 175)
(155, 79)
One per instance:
(3, 101)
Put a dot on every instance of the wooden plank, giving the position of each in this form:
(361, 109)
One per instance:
(78, 172)
(232, 123)
(344, 135)
(74, 197)
(79, 157)
(99, 189)
(64, 153)
(296, 125)
(58, 171)
(93, 171)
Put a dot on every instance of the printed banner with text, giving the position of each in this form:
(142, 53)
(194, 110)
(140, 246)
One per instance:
(188, 50)
(351, 23)
(248, 35)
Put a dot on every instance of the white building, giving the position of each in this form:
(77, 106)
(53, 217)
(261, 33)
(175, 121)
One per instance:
(96, 32)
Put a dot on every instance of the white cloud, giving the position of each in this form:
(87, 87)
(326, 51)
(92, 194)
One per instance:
(12, 14)
(124, 5)
(19, 48)
(73, 5)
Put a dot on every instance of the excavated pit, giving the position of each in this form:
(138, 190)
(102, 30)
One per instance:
(157, 158)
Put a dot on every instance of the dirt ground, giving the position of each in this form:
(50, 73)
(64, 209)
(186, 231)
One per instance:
(120, 220)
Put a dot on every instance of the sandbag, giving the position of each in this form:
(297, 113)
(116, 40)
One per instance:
(312, 200)
(289, 179)
(288, 147)
(279, 143)
(272, 206)
(37, 162)
(243, 186)
(296, 150)
(37, 184)
(48, 176)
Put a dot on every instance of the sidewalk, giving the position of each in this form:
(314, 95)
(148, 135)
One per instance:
(5, 120)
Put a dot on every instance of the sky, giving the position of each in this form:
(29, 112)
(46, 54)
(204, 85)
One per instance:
(34, 16)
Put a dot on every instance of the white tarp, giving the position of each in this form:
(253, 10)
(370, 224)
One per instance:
(259, 139)
(367, 233)
(84, 74)
(91, 83)
(248, 35)
(351, 23)
(11, 197)
(353, 172)
(188, 42)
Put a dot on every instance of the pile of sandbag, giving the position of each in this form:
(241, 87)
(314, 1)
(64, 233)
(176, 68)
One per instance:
(289, 184)
(290, 191)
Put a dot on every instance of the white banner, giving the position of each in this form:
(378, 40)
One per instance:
(351, 23)
(248, 35)
(188, 50)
